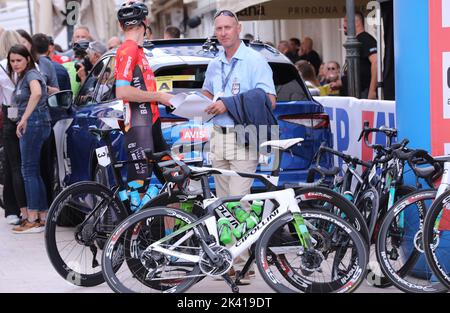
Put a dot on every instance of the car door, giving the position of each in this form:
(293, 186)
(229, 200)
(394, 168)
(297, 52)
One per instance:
(79, 142)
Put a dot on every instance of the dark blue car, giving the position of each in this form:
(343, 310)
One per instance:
(180, 66)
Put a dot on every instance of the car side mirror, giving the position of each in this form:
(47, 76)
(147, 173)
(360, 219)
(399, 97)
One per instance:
(61, 100)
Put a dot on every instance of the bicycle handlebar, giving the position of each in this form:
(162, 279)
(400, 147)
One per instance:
(429, 173)
(366, 131)
(174, 170)
(347, 158)
(390, 152)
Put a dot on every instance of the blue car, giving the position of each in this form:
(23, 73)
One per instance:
(180, 66)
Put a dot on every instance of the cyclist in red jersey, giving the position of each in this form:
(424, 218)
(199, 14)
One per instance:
(136, 86)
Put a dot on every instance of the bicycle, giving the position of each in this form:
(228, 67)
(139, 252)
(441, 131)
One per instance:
(399, 246)
(193, 251)
(101, 208)
(82, 217)
(376, 189)
(436, 229)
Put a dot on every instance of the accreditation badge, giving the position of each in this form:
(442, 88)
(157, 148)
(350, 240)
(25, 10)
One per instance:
(235, 88)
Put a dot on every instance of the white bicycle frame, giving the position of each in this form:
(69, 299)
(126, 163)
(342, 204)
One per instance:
(287, 203)
(445, 183)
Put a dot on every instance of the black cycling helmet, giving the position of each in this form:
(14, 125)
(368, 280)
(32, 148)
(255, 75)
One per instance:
(132, 13)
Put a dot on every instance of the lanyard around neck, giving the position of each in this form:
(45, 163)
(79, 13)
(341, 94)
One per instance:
(227, 79)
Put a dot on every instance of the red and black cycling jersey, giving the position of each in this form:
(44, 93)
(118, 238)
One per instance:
(132, 69)
(142, 122)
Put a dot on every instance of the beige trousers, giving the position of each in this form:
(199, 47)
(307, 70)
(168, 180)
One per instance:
(226, 154)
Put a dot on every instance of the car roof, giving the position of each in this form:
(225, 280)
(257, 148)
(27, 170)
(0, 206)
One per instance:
(198, 50)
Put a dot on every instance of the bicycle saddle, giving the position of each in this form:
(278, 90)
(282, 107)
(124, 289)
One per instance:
(282, 144)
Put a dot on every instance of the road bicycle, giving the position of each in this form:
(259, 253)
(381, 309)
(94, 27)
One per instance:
(436, 229)
(399, 246)
(296, 251)
(82, 217)
(375, 190)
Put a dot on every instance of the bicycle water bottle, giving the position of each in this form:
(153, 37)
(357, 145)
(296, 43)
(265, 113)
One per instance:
(151, 193)
(135, 200)
(238, 212)
(249, 223)
(257, 207)
(224, 228)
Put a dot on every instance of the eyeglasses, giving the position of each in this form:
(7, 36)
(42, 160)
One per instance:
(331, 69)
(225, 13)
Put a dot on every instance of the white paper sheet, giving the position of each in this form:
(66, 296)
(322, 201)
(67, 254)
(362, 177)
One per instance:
(192, 106)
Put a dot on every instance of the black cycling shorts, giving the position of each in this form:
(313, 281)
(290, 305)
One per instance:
(137, 140)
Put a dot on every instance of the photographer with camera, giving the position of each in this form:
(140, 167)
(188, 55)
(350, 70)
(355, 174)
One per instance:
(93, 53)
(79, 49)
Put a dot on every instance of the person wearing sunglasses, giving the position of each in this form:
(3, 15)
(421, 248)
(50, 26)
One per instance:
(236, 70)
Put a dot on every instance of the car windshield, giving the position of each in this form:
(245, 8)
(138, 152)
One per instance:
(191, 77)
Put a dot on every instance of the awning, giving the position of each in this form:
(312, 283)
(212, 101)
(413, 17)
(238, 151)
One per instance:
(48, 17)
(100, 17)
(249, 10)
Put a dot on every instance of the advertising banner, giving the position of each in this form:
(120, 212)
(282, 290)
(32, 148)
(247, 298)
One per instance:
(347, 117)
(440, 76)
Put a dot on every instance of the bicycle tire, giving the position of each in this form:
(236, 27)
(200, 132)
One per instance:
(393, 241)
(69, 271)
(307, 196)
(162, 200)
(431, 242)
(373, 279)
(108, 270)
(348, 283)
(371, 198)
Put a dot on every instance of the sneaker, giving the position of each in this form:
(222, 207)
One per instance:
(13, 220)
(29, 228)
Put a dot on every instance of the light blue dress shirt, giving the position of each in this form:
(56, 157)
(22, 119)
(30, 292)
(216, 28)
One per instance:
(250, 71)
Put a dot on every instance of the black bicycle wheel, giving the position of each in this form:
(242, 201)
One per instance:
(327, 200)
(437, 238)
(136, 239)
(375, 275)
(312, 271)
(162, 273)
(368, 204)
(79, 221)
(399, 246)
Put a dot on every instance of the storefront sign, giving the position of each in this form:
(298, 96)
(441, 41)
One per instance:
(294, 9)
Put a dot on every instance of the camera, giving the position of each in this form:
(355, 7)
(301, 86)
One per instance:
(81, 55)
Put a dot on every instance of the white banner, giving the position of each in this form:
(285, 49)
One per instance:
(445, 13)
(347, 116)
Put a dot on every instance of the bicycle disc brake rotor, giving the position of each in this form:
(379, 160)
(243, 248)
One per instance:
(207, 266)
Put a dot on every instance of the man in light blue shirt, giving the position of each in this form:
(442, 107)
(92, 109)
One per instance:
(235, 70)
